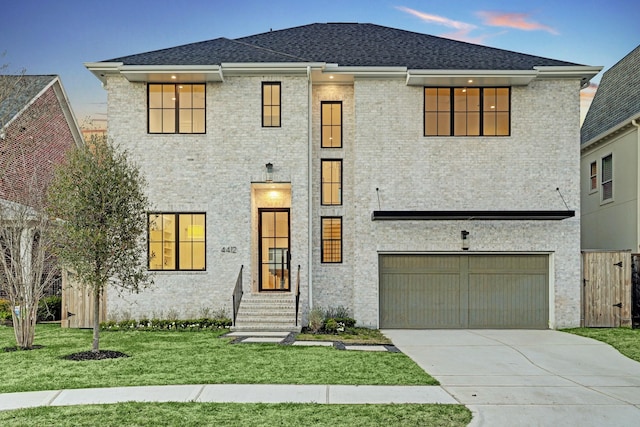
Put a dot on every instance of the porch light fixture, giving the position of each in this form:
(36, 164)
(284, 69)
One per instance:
(269, 167)
(464, 234)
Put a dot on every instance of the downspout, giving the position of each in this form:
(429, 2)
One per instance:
(309, 189)
(637, 125)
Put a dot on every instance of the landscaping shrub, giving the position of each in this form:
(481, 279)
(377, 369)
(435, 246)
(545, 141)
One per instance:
(5, 310)
(204, 323)
(316, 320)
(50, 308)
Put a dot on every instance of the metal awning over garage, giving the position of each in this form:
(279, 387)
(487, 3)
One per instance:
(471, 215)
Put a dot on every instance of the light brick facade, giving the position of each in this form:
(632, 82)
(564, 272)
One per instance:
(383, 148)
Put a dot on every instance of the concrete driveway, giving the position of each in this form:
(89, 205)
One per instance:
(529, 377)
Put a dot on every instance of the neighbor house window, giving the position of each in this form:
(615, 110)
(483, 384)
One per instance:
(593, 177)
(176, 108)
(331, 119)
(331, 191)
(607, 178)
(331, 239)
(271, 106)
(177, 241)
(466, 111)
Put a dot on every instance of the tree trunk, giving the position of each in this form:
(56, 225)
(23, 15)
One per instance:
(96, 319)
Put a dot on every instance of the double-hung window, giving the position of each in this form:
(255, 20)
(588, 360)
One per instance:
(607, 178)
(331, 191)
(462, 111)
(176, 108)
(177, 241)
(331, 241)
(271, 104)
(331, 119)
(593, 177)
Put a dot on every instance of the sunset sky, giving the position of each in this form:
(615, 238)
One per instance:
(57, 37)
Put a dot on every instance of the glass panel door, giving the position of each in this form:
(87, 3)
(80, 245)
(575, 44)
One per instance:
(274, 249)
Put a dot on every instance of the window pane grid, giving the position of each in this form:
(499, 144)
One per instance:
(176, 241)
(331, 241)
(331, 191)
(594, 176)
(466, 111)
(271, 104)
(176, 108)
(331, 128)
(607, 177)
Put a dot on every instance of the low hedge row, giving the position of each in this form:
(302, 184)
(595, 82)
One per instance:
(166, 325)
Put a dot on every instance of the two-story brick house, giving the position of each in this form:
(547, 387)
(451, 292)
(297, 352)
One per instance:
(416, 180)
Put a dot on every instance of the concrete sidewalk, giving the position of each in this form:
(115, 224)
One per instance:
(242, 393)
(529, 377)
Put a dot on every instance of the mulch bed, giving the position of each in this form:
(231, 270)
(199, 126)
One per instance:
(99, 355)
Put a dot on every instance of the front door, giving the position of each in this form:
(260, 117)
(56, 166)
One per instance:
(274, 256)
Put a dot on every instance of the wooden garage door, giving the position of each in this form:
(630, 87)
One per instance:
(464, 291)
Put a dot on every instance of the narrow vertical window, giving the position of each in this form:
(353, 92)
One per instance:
(331, 119)
(437, 111)
(593, 176)
(176, 108)
(331, 179)
(176, 241)
(607, 178)
(331, 239)
(495, 111)
(271, 107)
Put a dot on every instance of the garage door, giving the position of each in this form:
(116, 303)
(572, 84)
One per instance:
(464, 291)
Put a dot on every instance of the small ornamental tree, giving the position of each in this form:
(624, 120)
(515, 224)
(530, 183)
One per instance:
(98, 196)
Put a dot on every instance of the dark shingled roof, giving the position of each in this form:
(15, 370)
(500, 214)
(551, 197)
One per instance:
(345, 44)
(16, 91)
(617, 98)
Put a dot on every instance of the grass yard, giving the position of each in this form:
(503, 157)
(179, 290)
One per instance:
(625, 340)
(200, 414)
(161, 358)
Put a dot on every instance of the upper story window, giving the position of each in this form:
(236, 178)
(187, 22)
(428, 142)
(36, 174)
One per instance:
(331, 119)
(593, 176)
(176, 108)
(607, 178)
(271, 107)
(331, 191)
(467, 111)
(177, 241)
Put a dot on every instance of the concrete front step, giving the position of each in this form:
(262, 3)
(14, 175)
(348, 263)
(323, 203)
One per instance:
(267, 312)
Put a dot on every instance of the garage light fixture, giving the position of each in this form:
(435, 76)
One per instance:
(464, 234)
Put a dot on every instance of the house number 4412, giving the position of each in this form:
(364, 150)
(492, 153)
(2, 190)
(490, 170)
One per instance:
(229, 249)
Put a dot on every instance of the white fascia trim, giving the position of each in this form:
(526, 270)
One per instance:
(258, 68)
(102, 69)
(70, 116)
(583, 72)
(627, 122)
(367, 72)
(145, 73)
(462, 77)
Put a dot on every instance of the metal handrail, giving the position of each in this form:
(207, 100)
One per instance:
(237, 295)
(297, 294)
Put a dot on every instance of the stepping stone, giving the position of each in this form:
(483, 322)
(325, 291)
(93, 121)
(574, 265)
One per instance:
(314, 343)
(257, 334)
(275, 340)
(366, 347)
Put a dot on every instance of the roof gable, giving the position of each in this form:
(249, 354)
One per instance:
(617, 98)
(17, 91)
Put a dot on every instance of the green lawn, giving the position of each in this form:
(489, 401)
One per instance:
(159, 358)
(203, 414)
(625, 340)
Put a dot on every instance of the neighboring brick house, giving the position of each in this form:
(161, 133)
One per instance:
(610, 158)
(37, 128)
(418, 181)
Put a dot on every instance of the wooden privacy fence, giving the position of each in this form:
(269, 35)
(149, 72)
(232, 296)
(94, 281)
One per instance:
(606, 290)
(77, 304)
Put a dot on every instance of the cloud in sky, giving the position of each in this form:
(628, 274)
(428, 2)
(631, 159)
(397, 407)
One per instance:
(462, 28)
(519, 21)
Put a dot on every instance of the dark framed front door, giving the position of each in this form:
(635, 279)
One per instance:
(274, 244)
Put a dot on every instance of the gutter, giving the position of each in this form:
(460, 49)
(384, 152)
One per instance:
(310, 186)
(637, 125)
